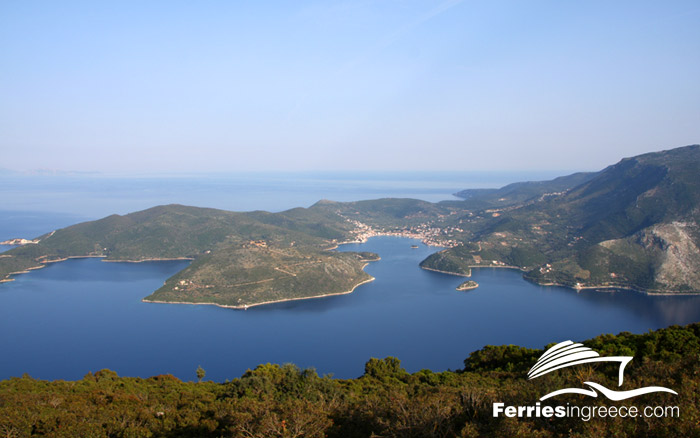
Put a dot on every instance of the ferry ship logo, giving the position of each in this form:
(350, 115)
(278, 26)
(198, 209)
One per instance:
(568, 353)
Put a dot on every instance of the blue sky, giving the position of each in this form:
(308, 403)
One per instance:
(180, 86)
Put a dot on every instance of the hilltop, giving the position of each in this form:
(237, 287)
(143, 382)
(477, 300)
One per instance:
(632, 225)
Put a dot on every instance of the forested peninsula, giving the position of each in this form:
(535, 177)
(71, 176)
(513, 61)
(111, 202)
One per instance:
(633, 225)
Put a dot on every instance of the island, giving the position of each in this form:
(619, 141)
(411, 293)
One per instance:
(633, 225)
(468, 285)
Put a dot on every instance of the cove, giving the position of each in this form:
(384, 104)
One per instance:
(83, 315)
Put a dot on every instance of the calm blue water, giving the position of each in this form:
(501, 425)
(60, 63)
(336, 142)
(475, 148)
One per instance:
(84, 315)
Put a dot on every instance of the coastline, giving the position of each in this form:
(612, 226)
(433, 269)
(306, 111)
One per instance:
(73, 257)
(246, 306)
(163, 259)
(516, 268)
(476, 267)
(611, 288)
(600, 288)
(43, 264)
(446, 272)
(425, 240)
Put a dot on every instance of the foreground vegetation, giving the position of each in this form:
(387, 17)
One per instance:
(284, 401)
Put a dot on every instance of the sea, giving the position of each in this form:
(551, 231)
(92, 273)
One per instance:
(83, 315)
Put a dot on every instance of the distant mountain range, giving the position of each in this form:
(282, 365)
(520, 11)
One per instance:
(521, 192)
(633, 225)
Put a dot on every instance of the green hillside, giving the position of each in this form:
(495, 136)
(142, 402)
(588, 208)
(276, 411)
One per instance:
(239, 259)
(244, 275)
(521, 192)
(633, 225)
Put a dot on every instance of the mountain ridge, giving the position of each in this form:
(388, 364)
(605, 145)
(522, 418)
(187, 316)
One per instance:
(599, 234)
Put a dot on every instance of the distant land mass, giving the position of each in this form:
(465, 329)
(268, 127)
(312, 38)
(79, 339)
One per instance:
(633, 225)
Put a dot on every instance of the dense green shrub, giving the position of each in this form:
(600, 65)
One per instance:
(286, 401)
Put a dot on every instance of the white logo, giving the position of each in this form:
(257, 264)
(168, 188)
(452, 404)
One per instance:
(567, 353)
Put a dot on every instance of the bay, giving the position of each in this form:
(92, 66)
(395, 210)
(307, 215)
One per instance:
(83, 315)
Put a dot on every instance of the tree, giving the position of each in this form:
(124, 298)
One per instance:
(389, 367)
(200, 373)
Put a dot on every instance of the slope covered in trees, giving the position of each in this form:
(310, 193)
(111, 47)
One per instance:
(285, 401)
(635, 225)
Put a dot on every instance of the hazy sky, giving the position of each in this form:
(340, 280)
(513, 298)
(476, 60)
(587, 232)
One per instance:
(345, 85)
